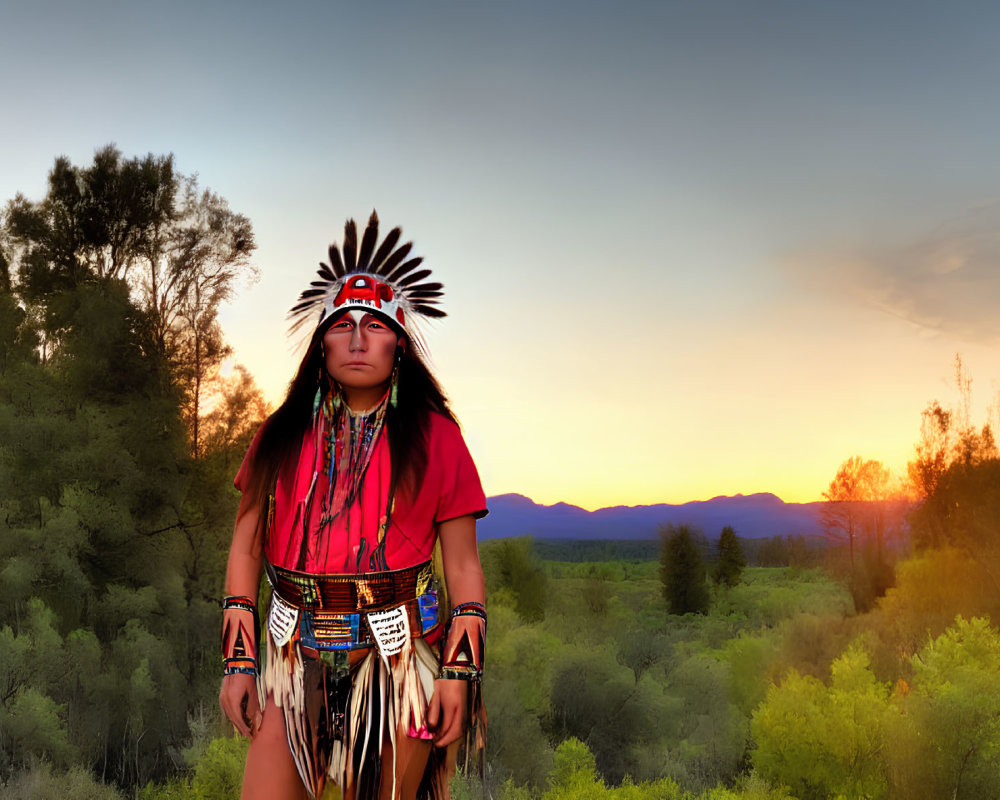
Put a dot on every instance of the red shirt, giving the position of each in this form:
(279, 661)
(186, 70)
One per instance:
(449, 488)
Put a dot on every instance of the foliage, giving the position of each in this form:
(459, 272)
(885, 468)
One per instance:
(113, 540)
(825, 742)
(119, 437)
(682, 572)
(219, 773)
(954, 696)
(136, 223)
(731, 561)
(510, 564)
(864, 510)
(786, 551)
(40, 782)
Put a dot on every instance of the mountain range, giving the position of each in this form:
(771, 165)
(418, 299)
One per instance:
(752, 516)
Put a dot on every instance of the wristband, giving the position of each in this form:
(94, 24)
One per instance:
(240, 631)
(465, 647)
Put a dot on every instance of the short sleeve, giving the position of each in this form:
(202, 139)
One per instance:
(461, 491)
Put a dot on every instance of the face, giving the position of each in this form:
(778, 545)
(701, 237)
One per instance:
(360, 350)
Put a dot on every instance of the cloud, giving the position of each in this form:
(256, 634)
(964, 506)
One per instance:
(944, 282)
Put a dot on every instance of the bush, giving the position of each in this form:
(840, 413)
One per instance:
(219, 774)
(40, 783)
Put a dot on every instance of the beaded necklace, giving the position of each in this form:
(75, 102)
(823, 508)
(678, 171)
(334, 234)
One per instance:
(348, 446)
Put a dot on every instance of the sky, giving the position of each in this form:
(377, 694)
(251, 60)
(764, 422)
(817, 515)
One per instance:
(689, 248)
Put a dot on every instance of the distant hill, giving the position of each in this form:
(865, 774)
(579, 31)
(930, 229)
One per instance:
(752, 516)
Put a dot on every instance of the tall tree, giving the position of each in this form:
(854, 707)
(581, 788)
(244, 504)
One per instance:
(844, 508)
(112, 538)
(180, 249)
(211, 248)
(862, 500)
(93, 223)
(682, 571)
(731, 563)
(864, 509)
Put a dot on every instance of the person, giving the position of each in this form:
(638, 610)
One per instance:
(358, 495)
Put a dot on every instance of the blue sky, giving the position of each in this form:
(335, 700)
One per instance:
(689, 248)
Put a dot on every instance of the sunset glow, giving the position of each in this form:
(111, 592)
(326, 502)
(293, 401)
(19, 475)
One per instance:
(685, 253)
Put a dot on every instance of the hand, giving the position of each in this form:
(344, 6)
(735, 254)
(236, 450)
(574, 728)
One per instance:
(446, 711)
(238, 698)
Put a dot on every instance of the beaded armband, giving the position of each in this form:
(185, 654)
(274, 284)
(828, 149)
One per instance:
(240, 631)
(465, 647)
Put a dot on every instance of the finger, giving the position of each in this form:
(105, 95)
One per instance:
(231, 707)
(447, 729)
(254, 713)
(237, 719)
(248, 711)
(433, 711)
(448, 735)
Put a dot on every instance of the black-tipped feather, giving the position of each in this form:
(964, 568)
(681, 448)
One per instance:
(413, 277)
(350, 247)
(368, 243)
(301, 307)
(336, 263)
(392, 261)
(404, 269)
(384, 249)
(433, 286)
(385, 260)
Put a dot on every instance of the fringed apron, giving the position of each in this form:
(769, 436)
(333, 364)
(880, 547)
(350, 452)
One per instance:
(351, 661)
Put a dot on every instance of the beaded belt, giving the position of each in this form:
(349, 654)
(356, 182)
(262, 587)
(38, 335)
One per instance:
(335, 612)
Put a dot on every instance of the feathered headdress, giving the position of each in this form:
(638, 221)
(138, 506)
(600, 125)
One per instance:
(378, 280)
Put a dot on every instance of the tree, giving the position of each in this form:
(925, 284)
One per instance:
(210, 248)
(682, 571)
(844, 510)
(946, 740)
(731, 563)
(864, 509)
(511, 564)
(94, 223)
(180, 250)
(112, 542)
(239, 410)
(933, 450)
(950, 449)
(825, 741)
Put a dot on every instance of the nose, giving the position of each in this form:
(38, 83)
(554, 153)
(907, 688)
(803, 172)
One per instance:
(358, 342)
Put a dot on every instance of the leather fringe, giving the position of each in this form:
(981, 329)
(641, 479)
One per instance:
(336, 724)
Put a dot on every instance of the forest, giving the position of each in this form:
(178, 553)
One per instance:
(866, 665)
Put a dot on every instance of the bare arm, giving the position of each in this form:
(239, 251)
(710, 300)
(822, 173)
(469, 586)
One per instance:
(463, 575)
(238, 696)
(246, 554)
(462, 571)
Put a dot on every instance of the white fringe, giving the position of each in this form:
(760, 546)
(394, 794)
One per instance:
(405, 685)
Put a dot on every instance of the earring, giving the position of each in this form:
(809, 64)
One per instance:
(319, 392)
(394, 387)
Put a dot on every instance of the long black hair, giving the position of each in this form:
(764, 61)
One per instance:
(280, 438)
